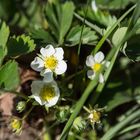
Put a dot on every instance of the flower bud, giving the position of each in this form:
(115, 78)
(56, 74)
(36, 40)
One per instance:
(79, 124)
(21, 106)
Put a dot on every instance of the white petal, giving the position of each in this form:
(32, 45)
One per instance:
(99, 57)
(90, 61)
(37, 64)
(53, 101)
(48, 77)
(59, 53)
(90, 74)
(36, 87)
(47, 51)
(101, 78)
(61, 67)
(90, 116)
(37, 98)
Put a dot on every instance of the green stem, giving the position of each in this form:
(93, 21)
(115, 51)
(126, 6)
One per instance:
(80, 42)
(114, 130)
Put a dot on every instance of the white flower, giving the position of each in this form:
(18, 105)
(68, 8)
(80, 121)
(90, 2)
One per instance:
(50, 60)
(95, 63)
(45, 93)
(93, 5)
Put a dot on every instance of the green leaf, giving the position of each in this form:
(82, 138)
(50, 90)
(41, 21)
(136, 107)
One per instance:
(66, 19)
(114, 4)
(9, 75)
(42, 35)
(20, 45)
(4, 34)
(88, 36)
(60, 19)
(53, 20)
(103, 18)
(119, 35)
(2, 54)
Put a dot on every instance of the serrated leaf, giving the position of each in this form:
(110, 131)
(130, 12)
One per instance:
(54, 19)
(67, 15)
(20, 45)
(9, 76)
(88, 36)
(103, 18)
(119, 35)
(42, 35)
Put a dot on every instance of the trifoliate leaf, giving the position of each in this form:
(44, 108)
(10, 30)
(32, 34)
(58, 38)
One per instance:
(20, 45)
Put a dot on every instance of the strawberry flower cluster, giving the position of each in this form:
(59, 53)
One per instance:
(49, 61)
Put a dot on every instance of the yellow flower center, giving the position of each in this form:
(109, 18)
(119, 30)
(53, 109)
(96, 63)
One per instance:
(47, 93)
(96, 67)
(96, 116)
(51, 62)
(16, 124)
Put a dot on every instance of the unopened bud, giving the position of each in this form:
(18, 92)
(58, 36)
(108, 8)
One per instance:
(21, 106)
